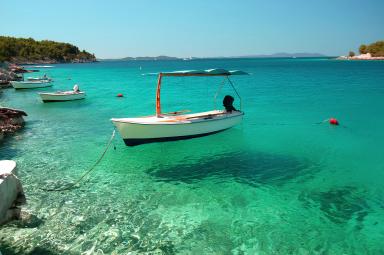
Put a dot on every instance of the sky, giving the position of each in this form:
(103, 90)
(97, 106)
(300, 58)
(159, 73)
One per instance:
(198, 28)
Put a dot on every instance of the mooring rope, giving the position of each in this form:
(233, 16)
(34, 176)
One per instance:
(89, 170)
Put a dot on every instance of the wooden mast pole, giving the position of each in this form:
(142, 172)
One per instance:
(158, 105)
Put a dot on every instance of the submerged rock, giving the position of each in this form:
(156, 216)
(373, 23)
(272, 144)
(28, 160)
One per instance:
(28, 220)
(340, 204)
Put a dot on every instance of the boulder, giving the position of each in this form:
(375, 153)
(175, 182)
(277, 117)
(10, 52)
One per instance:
(11, 119)
(11, 192)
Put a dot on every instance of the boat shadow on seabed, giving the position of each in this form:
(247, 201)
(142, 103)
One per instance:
(244, 167)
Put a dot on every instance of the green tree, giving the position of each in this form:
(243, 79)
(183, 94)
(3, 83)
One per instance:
(27, 49)
(376, 49)
(351, 54)
(363, 49)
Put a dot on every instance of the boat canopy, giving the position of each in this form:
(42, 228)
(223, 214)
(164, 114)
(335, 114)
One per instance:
(209, 72)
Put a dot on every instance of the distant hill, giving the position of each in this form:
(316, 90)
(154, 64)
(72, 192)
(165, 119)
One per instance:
(152, 58)
(143, 58)
(29, 51)
(275, 55)
(284, 55)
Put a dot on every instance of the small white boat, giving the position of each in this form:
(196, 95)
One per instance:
(44, 78)
(177, 126)
(31, 84)
(43, 66)
(60, 96)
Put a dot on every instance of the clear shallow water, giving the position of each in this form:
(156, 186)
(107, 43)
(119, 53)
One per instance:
(277, 184)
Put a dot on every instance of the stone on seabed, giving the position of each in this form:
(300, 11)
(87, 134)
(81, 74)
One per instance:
(11, 192)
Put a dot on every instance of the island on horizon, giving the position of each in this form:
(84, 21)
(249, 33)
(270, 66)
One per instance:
(275, 55)
(373, 51)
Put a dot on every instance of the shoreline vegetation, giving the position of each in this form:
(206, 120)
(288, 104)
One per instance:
(29, 51)
(373, 51)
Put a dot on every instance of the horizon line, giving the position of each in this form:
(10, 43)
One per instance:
(272, 55)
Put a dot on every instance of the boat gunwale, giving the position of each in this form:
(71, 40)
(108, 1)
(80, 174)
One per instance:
(54, 94)
(32, 82)
(53, 100)
(178, 122)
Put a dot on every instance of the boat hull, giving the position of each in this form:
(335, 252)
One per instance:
(60, 97)
(139, 141)
(30, 84)
(134, 133)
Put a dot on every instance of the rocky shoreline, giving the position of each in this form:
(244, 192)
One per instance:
(6, 76)
(11, 120)
(11, 72)
(366, 56)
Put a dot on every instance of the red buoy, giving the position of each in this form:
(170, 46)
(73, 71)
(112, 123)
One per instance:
(333, 121)
(119, 95)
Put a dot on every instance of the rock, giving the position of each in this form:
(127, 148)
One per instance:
(367, 56)
(11, 192)
(28, 220)
(8, 75)
(10, 72)
(11, 120)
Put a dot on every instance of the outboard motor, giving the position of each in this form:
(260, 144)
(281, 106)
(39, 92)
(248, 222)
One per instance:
(228, 103)
(76, 88)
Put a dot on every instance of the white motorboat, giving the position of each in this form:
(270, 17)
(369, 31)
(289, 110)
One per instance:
(31, 84)
(62, 96)
(177, 125)
(43, 66)
(59, 96)
(44, 78)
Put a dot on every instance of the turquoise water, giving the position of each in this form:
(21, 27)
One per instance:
(279, 183)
